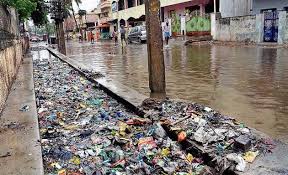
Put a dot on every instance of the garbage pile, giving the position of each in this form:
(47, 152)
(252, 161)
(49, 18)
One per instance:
(230, 145)
(84, 131)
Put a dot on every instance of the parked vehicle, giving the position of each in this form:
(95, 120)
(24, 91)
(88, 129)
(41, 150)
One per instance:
(137, 34)
(35, 39)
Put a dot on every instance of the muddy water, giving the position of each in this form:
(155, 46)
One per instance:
(249, 83)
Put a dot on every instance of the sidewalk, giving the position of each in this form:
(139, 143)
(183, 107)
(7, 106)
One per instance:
(20, 149)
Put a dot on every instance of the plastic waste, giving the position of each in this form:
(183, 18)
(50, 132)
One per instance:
(146, 143)
(250, 156)
(24, 108)
(85, 131)
(241, 164)
(181, 136)
(62, 172)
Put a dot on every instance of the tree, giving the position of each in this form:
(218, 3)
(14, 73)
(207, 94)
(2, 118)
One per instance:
(70, 7)
(39, 16)
(23, 7)
(81, 13)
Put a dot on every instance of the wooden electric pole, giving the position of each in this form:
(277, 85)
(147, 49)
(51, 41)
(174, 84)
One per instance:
(57, 13)
(156, 64)
(61, 37)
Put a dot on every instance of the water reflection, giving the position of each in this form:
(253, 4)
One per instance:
(250, 83)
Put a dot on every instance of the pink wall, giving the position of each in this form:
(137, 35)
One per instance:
(180, 8)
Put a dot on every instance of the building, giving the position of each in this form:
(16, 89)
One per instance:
(233, 8)
(190, 18)
(259, 6)
(104, 15)
(266, 21)
(186, 17)
(128, 12)
(86, 22)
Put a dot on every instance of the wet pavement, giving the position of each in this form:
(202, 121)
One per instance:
(249, 83)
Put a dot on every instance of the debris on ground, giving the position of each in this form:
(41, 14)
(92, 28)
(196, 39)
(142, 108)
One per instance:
(91, 73)
(24, 108)
(84, 131)
(228, 143)
(8, 154)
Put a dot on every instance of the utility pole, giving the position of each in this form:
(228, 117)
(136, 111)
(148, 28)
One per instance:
(156, 64)
(57, 13)
(61, 38)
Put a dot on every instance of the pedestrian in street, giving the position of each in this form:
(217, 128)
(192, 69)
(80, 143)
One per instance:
(115, 35)
(80, 38)
(123, 35)
(92, 37)
(167, 33)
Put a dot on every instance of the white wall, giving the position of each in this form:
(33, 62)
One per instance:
(232, 8)
(259, 5)
(236, 29)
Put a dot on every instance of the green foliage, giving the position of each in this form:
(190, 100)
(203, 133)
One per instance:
(24, 7)
(50, 28)
(39, 15)
(82, 12)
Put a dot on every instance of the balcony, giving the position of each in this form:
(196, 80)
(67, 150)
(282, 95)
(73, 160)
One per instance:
(134, 12)
(104, 20)
(105, 4)
(165, 3)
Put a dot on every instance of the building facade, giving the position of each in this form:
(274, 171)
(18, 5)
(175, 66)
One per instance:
(104, 13)
(186, 17)
(266, 22)
(262, 5)
(233, 8)
(190, 18)
(86, 22)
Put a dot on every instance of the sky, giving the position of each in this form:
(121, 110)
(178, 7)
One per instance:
(87, 5)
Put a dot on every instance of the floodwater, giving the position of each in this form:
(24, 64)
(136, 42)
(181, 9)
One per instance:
(248, 83)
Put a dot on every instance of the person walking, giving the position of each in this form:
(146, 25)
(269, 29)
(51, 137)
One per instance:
(92, 37)
(115, 35)
(80, 37)
(167, 33)
(123, 35)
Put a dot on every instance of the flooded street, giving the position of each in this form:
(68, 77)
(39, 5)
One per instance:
(249, 83)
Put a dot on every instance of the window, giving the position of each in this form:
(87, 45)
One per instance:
(192, 9)
(130, 3)
(171, 13)
(141, 2)
(121, 5)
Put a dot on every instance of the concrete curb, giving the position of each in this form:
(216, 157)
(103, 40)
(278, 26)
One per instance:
(125, 95)
(20, 148)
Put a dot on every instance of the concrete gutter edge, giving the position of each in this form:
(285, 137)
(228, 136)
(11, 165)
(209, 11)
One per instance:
(125, 95)
(20, 137)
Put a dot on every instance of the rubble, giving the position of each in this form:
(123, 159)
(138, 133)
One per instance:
(84, 131)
